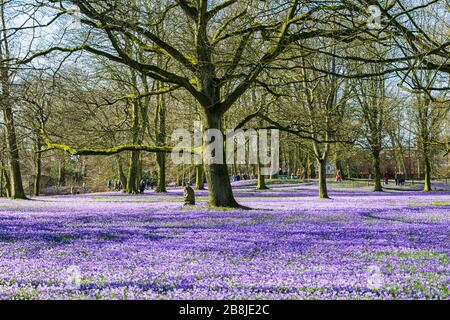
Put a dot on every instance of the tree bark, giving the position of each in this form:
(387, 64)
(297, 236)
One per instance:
(161, 160)
(17, 191)
(199, 178)
(122, 177)
(37, 169)
(377, 170)
(339, 167)
(132, 186)
(427, 172)
(132, 183)
(219, 185)
(323, 192)
(7, 184)
(1, 182)
(160, 126)
(311, 171)
(61, 174)
(425, 129)
(261, 180)
(180, 178)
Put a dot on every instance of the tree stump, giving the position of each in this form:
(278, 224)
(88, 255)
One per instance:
(189, 196)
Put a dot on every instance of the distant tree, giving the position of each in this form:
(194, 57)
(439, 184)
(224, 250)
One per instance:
(7, 73)
(371, 98)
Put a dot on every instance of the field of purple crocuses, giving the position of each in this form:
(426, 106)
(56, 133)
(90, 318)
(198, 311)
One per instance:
(288, 245)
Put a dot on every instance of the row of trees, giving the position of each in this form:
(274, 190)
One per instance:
(114, 77)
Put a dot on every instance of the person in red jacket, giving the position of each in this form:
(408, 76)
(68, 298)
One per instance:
(386, 178)
(338, 176)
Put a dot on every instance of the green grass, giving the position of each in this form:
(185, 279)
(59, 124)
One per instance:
(434, 203)
(418, 255)
(279, 181)
(441, 203)
(260, 219)
(64, 239)
(110, 236)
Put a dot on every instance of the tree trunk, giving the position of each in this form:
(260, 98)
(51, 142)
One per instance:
(7, 184)
(161, 160)
(261, 180)
(83, 169)
(427, 173)
(339, 167)
(1, 182)
(219, 186)
(122, 177)
(377, 170)
(323, 192)
(418, 168)
(37, 170)
(17, 191)
(349, 172)
(139, 171)
(16, 185)
(61, 174)
(398, 156)
(311, 169)
(132, 186)
(160, 127)
(180, 178)
(199, 178)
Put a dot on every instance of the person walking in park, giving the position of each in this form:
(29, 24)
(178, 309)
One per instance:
(396, 178)
(85, 188)
(386, 178)
(142, 186)
(402, 179)
(280, 172)
(338, 176)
